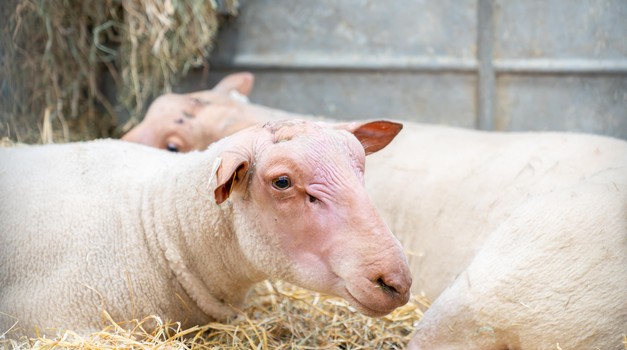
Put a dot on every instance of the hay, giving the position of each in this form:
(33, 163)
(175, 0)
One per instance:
(6, 142)
(54, 55)
(279, 316)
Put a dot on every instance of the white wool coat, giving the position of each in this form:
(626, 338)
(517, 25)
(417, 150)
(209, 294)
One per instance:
(131, 204)
(519, 238)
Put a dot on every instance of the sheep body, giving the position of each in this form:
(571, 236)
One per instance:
(520, 238)
(135, 231)
(465, 184)
(45, 252)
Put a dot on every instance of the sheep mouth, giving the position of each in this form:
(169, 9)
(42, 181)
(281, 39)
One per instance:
(363, 308)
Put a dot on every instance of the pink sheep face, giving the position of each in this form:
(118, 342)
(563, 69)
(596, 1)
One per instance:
(187, 122)
(326, 233)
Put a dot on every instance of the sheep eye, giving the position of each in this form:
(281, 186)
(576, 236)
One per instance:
(281, 183)
(172, 147)
(312, 199)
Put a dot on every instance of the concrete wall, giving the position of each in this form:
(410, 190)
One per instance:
(487, 64)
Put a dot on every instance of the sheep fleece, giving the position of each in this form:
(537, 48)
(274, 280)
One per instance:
(118, 245)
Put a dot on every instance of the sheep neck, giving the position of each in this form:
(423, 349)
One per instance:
(194, 236)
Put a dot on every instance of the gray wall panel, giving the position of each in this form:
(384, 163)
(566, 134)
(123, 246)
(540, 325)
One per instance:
(291, 29)
(569, 103)
(489, 64)
(593, 29)
(431, 98)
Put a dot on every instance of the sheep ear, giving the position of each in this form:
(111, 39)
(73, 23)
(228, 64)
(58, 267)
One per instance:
(230, 171)
(241, 82)
(374, 135)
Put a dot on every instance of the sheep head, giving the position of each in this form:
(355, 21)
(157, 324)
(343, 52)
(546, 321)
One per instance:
(303, 215)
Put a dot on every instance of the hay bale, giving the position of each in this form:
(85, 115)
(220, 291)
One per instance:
(279, 316)
(54, 53)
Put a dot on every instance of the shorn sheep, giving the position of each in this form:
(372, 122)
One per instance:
(519, 238)
(129, 229)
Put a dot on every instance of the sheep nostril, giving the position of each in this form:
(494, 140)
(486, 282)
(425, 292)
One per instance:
(386, 287)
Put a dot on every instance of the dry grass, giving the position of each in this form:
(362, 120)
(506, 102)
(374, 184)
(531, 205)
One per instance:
(6, 142)
(278, 316)
(54, 55)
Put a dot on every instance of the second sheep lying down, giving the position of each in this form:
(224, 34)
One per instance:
(521, 238)
(138, 231)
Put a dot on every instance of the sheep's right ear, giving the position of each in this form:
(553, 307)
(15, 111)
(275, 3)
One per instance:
(231, 172)
(373, 135)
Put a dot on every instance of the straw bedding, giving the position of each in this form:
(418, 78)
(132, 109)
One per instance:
(278, 316)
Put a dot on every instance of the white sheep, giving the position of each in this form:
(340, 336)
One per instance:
(110, 225)
(521, 237)
(525, 233)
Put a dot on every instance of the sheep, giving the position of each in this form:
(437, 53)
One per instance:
(519, 238)
(534, 224)
(121, 227)
(182, 123)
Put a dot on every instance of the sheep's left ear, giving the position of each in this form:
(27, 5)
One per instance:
(241, 82)
(374, 135)
(231, 171)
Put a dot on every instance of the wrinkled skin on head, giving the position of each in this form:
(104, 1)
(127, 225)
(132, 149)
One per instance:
(357, 259)
(187, 122)
(327, 235)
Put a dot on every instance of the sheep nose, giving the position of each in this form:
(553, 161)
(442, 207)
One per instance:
(395, 286)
